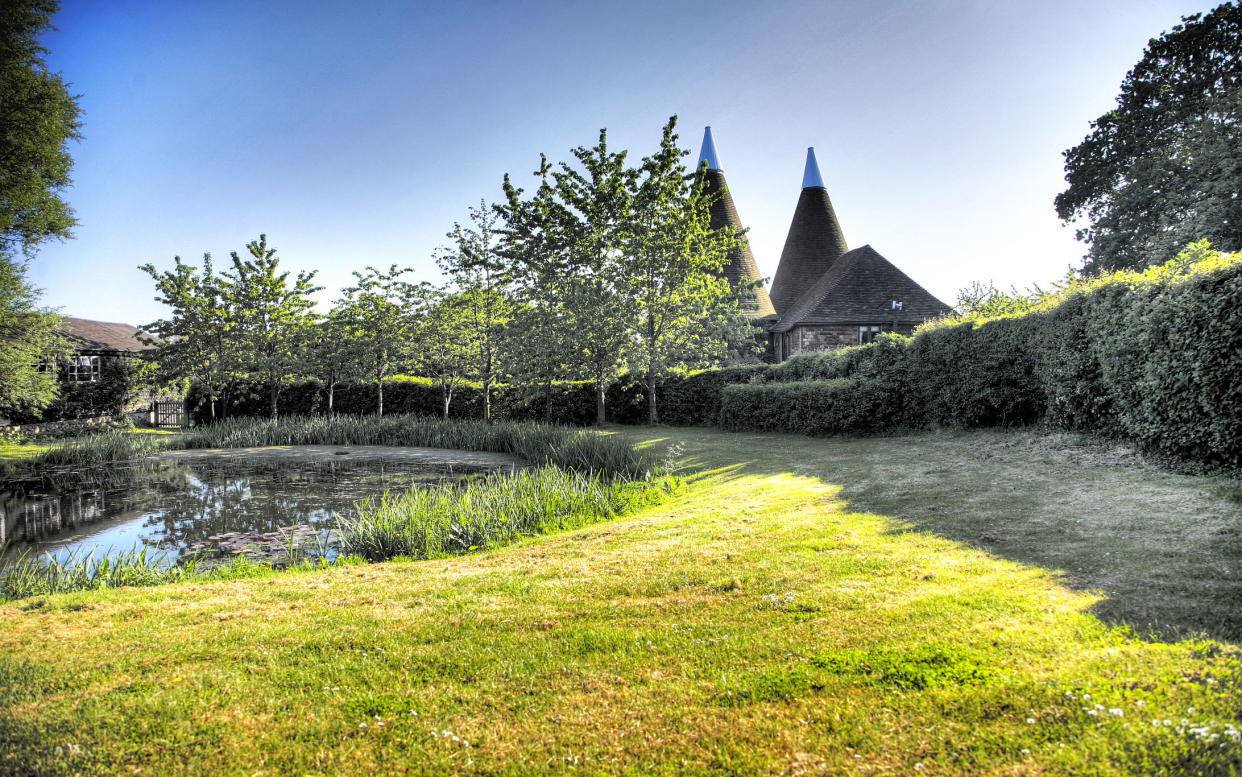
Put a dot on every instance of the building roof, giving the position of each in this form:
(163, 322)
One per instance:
(87, 335)
(813, 244)
(741, 261)
(860, 288)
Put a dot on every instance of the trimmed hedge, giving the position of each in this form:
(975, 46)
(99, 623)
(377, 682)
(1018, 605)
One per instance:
(815, 407)
(682, 399)
(1153, 356)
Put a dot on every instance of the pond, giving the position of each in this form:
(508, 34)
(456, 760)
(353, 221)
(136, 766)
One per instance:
(215, 504)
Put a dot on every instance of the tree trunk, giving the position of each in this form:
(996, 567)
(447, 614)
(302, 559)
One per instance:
(599, 402)
(446, 397)
(331, 391)
(487, 401)
(547, 394)
(379, 386)
(272, 394)
(653, 417)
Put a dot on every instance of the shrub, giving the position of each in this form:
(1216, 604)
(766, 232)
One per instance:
(816, 407)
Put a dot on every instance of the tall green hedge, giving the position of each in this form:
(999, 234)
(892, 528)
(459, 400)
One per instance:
(682, 399)
(1153, 356)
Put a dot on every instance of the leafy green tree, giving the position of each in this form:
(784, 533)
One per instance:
(38, 118)
(272, 316)
(30, 344)
(685, 313)
(478, 271)
(377, 314)
(568, 241)
(444, 347)
(535, 352)
(1162, 168)
(197, 341)
(333, 352)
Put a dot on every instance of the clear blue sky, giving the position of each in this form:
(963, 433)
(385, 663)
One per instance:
(357, 133)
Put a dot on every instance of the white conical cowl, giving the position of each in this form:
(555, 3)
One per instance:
(708, 154)
(811, 177)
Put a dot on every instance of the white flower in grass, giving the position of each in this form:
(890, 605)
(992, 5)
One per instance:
(1115, 712)
(1030, 720)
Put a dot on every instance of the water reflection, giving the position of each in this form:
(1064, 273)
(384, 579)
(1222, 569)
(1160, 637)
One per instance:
(177, 506)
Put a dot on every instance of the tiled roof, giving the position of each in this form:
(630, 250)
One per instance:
(813, 244)
(860, 288)
(87, 335)
(741, 260)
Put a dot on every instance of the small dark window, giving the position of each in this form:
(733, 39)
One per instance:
(867, 333)
(83, 369)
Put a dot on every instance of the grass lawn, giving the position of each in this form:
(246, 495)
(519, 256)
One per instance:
(984, 602)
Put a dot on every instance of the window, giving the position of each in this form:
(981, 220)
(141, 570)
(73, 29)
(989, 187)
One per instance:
(83, 369)
(867, 333)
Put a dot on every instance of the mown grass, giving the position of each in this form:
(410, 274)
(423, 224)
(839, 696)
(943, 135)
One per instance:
(762, 621)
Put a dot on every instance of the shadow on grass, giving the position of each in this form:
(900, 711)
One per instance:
(1164, 550)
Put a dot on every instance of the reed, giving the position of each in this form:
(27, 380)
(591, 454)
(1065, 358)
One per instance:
(104, 448)
(487, 512)
(538, 444)
(28, 575)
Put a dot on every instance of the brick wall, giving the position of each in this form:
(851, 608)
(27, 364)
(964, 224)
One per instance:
(809, 338)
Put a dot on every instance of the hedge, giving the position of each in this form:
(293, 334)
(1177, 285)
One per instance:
(1155, 357)
(682, 399)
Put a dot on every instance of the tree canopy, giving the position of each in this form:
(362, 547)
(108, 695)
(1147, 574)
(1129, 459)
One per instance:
(38, 118)
(1164, 167)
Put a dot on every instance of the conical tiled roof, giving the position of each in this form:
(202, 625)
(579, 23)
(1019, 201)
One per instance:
(814, 242)
(860, 288)
(724, 214)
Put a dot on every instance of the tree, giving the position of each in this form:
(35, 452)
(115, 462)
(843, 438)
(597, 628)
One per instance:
(272, 317)
(685, 314)
(569, 242)
(197, 341)
(1164, 167)
(30, 344)
(478, 271)
(445, 350)
(376, 311)
(38, 118)
(333, 352)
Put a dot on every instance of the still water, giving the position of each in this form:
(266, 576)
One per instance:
(216, 503)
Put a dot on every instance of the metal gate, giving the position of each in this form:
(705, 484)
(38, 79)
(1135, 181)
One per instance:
(169, 413)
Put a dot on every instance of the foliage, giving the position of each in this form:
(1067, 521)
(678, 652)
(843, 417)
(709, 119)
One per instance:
(376, 315)
(332, 353)
(481, 279)
(614, 265)
(38, 118)
(29, 336)
(197, 342)
(816, 407)
(271, 317)
(121, 381)
(446, 350)
(1161, 169)
(685, 314)
(567, 243)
